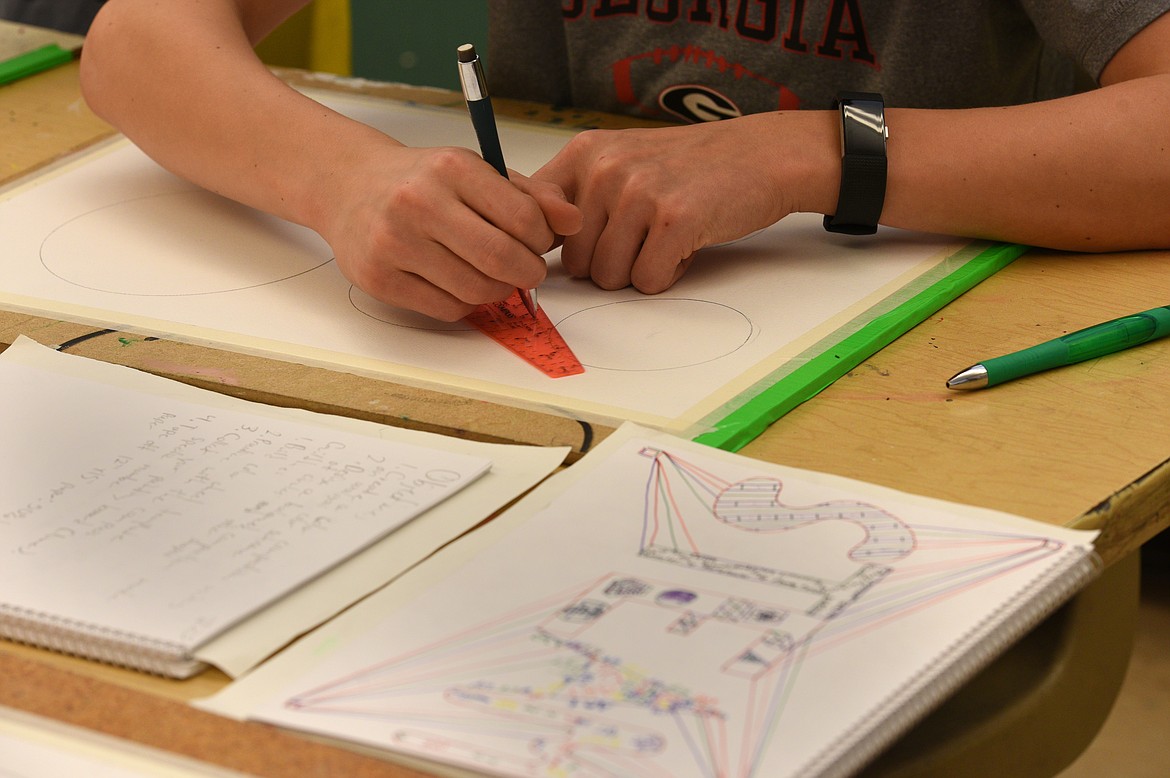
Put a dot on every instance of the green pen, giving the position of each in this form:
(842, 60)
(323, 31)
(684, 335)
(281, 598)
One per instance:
(34, 61)
(1089, 343)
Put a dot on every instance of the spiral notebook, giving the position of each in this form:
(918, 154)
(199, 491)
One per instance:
(663, 608)
(138, 524)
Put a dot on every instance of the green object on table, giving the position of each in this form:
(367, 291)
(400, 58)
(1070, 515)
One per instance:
(1090, 343)
(734, 427)
(48, 56)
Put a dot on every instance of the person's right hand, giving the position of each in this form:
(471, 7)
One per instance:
(435, 230)
(440, 231)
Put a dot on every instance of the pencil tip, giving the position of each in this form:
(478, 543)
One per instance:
(467, 52)
(528, 299)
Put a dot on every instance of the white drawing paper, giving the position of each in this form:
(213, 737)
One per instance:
(662, 609)
(114, 239)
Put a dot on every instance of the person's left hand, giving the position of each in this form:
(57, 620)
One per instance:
(652, 197)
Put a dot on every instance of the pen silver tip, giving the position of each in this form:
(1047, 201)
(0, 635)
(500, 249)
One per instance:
(974, 377)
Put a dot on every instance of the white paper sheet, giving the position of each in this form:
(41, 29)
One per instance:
(666, 609)
(115, 239)
(116, 456)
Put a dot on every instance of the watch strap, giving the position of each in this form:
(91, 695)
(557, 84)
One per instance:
(862, 191)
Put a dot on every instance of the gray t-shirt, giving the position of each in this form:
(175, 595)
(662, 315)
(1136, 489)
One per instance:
(705, 59)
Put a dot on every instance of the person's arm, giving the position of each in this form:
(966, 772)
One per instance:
(1090, 172)
(434, 230)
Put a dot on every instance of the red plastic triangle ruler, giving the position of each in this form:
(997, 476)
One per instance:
(536, 341)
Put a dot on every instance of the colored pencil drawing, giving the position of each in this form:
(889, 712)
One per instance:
(642, 671)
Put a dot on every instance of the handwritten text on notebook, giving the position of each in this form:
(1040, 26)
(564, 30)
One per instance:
(156, 517)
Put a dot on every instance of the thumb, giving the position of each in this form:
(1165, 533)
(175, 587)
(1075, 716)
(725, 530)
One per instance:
(562, 216)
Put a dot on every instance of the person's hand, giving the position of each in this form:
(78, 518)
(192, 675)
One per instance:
(439, 231)
(652, 197)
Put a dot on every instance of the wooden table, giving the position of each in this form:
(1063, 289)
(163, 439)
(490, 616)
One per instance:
(1084, 446)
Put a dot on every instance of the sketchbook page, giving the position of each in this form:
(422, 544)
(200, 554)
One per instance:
(34, 747)
(515, 469)
(665, 608)
(114, 238)
(168, 520)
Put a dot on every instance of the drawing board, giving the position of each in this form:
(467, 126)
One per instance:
(112, 238)
(662, 608)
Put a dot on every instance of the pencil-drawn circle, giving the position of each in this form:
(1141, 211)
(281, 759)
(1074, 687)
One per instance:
(654, 333)
(376, 309)
(180, 243)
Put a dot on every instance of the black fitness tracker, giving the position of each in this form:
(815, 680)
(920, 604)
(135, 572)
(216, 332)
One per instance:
(863, 164)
